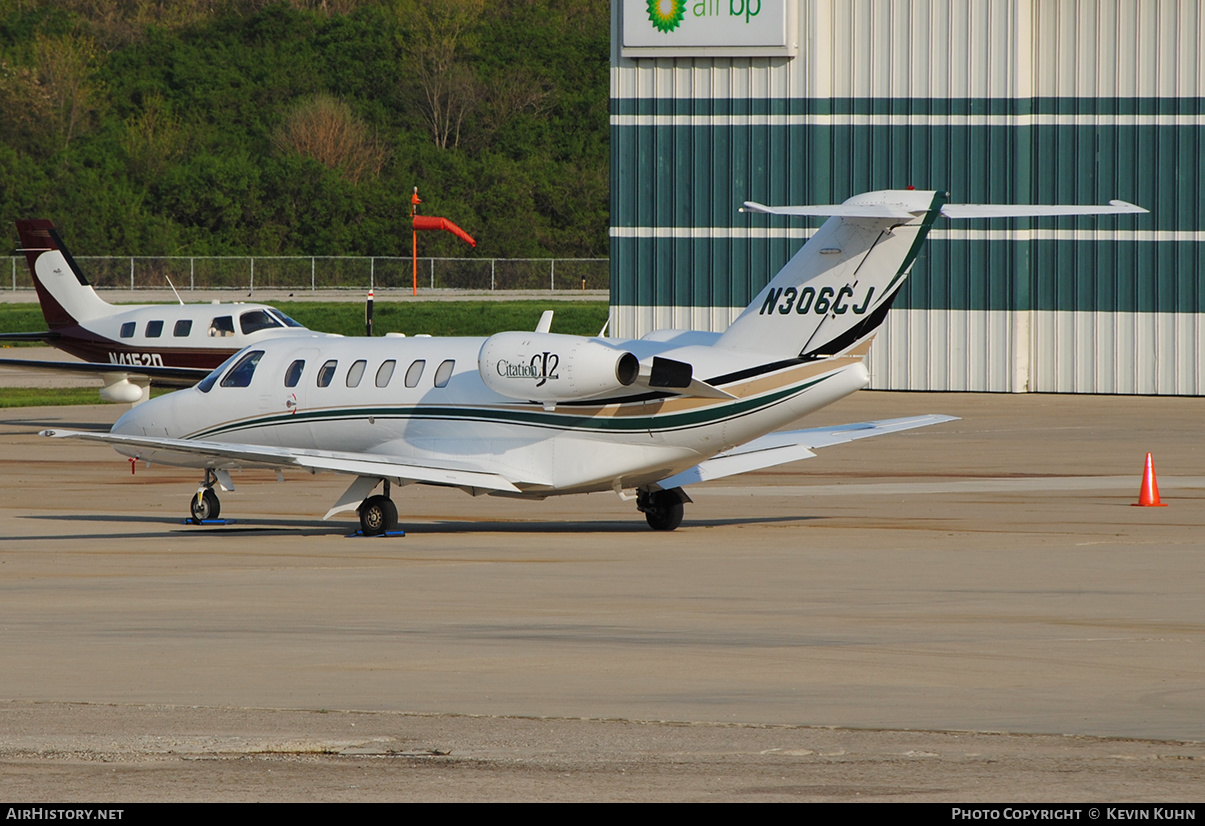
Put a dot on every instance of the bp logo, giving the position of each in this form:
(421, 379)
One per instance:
(666, 15)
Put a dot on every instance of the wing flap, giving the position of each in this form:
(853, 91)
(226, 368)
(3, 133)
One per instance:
(720, 466)
(791, 445)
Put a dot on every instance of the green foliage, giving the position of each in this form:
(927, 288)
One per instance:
(161, 128)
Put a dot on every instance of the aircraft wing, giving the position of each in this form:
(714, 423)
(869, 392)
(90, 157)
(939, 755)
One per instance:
(790, 446)
(226, 455)
(165, 376)
(44, 336)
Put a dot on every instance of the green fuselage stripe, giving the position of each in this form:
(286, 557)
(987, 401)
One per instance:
(529, 418)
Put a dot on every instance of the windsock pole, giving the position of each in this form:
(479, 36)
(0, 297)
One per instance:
(414, 202)
(431, 222)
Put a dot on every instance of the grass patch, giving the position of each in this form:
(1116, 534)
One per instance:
(449, 318)
(21, 318)
(48, 396)
(436, 318)
(58, 396)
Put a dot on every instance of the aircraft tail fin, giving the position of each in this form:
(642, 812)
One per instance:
(64, 293)
(836, 290)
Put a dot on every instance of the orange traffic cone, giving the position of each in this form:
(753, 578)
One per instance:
(1148, 496)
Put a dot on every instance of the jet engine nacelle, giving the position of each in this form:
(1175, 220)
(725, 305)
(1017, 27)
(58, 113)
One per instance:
(547, 367)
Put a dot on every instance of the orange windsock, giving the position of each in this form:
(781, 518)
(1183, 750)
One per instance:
(433, 222)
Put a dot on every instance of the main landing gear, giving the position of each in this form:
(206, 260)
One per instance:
(205, 504)
(378, 514)
(662, 509)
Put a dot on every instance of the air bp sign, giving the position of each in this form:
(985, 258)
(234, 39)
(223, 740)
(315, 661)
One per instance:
(667, 28)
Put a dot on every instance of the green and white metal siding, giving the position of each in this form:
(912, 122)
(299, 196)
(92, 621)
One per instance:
(1010, 101)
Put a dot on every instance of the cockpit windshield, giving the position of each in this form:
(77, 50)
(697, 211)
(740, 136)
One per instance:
(285, 320)
(206, 384)
(253, 321)
(240, 374)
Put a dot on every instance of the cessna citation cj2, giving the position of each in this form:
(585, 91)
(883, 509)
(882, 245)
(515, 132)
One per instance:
(131, 347)
(536, 414)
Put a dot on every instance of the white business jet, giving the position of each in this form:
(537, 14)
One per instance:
(537, 414)
(130, 347)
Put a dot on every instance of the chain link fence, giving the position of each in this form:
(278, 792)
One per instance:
(250, 273)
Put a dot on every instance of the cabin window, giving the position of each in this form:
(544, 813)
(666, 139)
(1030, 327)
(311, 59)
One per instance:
(241, 373)
(154, 329)
(326, 373)
(253, 321)
(183, 328)
(444, 373)
(356, 373)
(222, 326)
(415, 372)
(293, 374)
(385, 373)
(127, 330)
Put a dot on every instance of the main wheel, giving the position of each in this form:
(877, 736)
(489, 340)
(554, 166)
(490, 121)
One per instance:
(205, 507)
(378, 515)
(664, 509)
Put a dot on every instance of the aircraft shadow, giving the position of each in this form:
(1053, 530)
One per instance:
(97, 517)
(39, 425)
(181, 525)
(290, 527)
(634, 525)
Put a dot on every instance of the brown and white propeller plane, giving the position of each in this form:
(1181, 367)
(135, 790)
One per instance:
(131, 347)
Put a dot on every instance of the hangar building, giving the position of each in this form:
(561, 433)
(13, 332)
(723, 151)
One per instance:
(714, 102)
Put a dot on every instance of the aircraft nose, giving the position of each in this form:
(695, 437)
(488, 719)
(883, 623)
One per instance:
(155, 417)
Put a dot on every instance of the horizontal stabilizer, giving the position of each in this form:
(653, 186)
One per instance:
(1038, 210)
(791, 445)
(46, 335)
(846, 210)
(956, 211)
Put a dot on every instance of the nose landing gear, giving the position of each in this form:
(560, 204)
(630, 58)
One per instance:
(205, 505)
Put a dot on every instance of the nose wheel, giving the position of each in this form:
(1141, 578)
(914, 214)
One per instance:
(205, 504)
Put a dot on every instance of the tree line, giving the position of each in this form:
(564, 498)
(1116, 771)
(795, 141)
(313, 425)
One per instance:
(216, 127)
